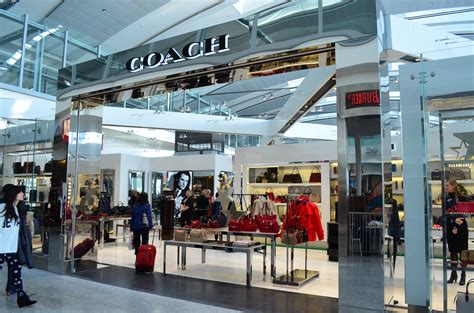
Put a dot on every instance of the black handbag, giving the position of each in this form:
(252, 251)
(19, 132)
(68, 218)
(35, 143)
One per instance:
(436, 175)
(293, 178)
(17, 168)
(48, 167)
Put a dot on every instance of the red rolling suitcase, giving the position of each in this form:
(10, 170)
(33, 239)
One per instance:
(145, 261)
(82, 248)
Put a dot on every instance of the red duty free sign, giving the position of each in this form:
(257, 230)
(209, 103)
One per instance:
(362, 98)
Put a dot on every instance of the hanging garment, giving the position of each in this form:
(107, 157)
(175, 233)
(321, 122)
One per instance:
(304, 213)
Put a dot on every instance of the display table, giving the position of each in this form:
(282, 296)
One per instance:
(251, 234)
(216, 246)
(271, 236)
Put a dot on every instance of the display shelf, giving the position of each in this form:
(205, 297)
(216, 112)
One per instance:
(464, 181)
(282, 184)
(28, 175)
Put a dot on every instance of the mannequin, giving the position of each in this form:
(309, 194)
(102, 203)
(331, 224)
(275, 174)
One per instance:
(225, 193)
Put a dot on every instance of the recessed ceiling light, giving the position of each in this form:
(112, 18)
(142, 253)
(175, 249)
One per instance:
(104, 10)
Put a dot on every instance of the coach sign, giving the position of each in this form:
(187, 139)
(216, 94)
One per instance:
(190, 51)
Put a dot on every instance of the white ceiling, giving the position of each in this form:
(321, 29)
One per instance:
(120, 24)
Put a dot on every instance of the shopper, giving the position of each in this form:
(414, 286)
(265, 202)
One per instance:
(202, 204)
(142, 221)
(187, 209)
(457, 231)
(25, 247)
(9, 238)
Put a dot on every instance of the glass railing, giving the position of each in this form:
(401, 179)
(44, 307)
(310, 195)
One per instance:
(31, 54)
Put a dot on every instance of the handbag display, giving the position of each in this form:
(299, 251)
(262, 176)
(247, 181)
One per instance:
(180, 235)
(213, 224)
(272, 174)
(315, 177)
(467, 257)
(48, 167)
(196, 224)
(197, 235)
(17, 168)
(38, 170)
(234, 225)
(248, 224)
(281, 199)
(465, 207)
(267, 224)
(293, 178)
(269, 193)
(28, 167)
(294, 236)
(436, 175)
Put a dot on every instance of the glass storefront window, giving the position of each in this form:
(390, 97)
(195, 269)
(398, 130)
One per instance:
(10, 51)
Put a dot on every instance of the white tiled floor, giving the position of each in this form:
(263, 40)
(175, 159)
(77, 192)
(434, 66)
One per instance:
(230, 267)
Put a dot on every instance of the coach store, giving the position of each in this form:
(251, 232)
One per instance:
(291, 130)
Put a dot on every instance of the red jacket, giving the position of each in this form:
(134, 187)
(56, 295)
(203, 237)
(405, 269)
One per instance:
(304, 213)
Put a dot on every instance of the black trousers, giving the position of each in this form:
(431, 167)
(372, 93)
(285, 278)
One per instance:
(186, 218)
(140, 237)
(14, 268)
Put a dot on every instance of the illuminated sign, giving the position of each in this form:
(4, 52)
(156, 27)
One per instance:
(190, 51)
(362, 98)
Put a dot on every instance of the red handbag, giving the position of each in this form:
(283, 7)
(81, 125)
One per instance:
(248, 224)
(269, 193)
(213, 224)
(267, 223)
(315, 177)
(280, 199)
(195, 224)
(234, 225)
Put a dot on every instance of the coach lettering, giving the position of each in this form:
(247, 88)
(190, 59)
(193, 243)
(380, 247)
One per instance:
(190, 51)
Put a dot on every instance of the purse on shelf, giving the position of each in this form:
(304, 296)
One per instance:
(436, 175)
(197, 235)
(269, 193)
(272, 174)
(281, 199)
(315, 177)
(293, 178)
(196, 224)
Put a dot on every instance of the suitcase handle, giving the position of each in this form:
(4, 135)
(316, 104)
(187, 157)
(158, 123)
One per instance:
(466, 296)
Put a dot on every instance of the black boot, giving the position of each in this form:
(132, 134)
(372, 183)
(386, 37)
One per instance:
(462, 281)
(453, 278)
(24, 300)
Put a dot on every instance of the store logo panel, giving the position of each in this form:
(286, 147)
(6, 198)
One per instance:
(362, 98)
(190, 51)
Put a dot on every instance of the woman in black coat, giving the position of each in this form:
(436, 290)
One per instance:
(25, 247)
(457, 231)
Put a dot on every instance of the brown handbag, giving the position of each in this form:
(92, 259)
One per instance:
(180, 235)
(467, 257)
(292, 236)
(197, 235)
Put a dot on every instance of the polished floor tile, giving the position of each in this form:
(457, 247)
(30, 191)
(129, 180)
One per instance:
(60, 293)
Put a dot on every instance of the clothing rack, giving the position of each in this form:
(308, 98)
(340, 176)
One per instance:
(241, 198)
(295, 277)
